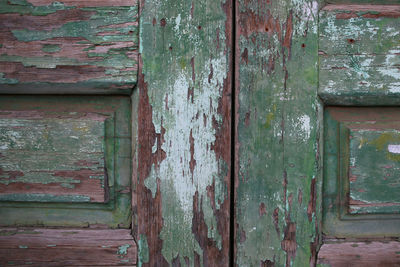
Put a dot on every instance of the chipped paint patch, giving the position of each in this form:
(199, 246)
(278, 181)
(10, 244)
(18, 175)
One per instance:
(143, 249)
(394, 149)
(123, 250)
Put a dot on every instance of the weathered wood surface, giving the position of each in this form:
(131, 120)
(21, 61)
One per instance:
(66, 247)
(277, 210)
(184, 133)
(71, 46)
(363, 2)
(359, 48)
(374, 170)
(46, 157)
(359, 254)
(361, 172)
(54, 157)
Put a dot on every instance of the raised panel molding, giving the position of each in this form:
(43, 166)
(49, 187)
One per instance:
(361, 172)
(65, 161)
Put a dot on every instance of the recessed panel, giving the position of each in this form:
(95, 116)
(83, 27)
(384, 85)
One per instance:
(374, 171)
(361, 172)
(52, 156)
(65, 161)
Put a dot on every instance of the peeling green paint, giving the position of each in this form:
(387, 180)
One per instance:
(3, 79)
(23, 7)
(22, 246)
(43, 198)
(185, 67)
(112, 120)
(123, 249)
(103, 16)
(277, 210)
(51, 48)
(358, 57)
(18, 232)
(109, 33)
(143, 249)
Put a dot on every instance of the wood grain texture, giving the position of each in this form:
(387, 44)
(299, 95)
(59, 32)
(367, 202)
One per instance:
(359, 54)
(53, 47)
(53, 157)
(184, 133)
(277, 209)
(362, 2)
(66, 247)
(360, 254)
(48, 176)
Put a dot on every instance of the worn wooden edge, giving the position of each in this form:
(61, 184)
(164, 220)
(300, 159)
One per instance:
(61, 247)
(393, 9)
(364, 99)
(86, 3)
(135, 163)
(359, 253)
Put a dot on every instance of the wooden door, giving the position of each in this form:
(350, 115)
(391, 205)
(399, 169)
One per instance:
(247, 122)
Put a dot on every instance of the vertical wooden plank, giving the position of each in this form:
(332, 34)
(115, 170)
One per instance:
(184, 133)
(277, 181)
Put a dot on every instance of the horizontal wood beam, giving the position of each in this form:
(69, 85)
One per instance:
(61, 247)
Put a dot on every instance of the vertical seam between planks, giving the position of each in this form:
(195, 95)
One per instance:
(233, 139)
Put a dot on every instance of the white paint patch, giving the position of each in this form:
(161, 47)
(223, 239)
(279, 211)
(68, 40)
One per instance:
(352, 161)
(308, 13)
(177, 22)
(390, 70)
(305, 125)
(394, 149)
(310, 10)
(394, 88)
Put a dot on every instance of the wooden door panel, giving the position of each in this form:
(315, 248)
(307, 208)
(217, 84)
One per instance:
(66, 247)
(65, 161)
(74, 47)
(358, 54)
(53, 156)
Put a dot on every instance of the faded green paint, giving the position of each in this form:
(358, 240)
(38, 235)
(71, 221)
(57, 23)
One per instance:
(50, 48)
(39, 148)
(77, 113)
(375, 2)
(23, 7)
(123, 249)
(185, 51)
(43, 198)
(143, 249)
(16, 232)
(359, 57)
(374, 171)
(101, 40)
(277, 213)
